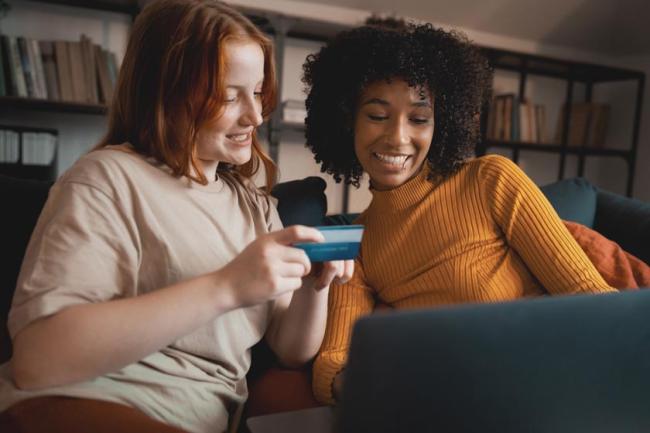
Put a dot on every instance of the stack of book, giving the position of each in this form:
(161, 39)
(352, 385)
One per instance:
(587, 125)
(27, 148)
(512, 119)
(68, 71)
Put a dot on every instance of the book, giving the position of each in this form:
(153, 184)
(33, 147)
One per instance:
(90, 69)
(507, 117)
(49, 70)
(597, 129)
(579, 116)
(63, 71)
(26, 63)
(540, 121)
(103, 74)
(524, 120)
(38, 67)
(17, 74)
(113, 67)
(78, 74)
(588, 124)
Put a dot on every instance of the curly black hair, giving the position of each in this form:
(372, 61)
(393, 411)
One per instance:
(445, 63)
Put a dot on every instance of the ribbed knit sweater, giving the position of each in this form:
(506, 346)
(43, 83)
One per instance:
(485, 234)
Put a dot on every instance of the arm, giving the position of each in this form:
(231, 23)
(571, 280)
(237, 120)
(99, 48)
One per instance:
(87, 340)
(298, 323)
(533, 228)
(347, 303)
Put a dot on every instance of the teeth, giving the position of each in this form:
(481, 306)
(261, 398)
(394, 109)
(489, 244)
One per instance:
(391, 159)
(239, 137)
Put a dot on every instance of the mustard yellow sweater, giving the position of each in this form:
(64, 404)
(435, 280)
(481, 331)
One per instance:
(486, 234)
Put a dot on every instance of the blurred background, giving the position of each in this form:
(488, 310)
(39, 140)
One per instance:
(568, 98)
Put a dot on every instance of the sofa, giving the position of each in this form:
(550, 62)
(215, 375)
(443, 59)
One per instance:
(273, 388)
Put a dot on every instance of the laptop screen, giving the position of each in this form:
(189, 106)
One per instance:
(552, 365)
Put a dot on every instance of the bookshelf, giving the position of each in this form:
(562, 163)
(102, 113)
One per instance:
(60, 76)
(523, 64)
(573, 73)
(20, 169)
(281, 27)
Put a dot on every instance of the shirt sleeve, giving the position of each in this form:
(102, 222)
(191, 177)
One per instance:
(347, 303)
(84, 249)
(534, 230)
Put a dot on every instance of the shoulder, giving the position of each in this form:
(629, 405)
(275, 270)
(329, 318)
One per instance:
(493, 162)
(110, 170)
(494, 168)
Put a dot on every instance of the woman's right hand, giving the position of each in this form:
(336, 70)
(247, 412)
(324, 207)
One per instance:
(269, 266)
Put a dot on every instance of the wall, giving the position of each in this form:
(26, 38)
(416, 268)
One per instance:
(79, 132)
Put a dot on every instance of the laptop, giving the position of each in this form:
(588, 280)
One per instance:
(570, 364)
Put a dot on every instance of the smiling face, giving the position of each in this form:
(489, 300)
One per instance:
(229, 138)
(393, 131)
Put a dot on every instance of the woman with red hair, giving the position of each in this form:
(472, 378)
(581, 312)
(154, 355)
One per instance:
(156, 263)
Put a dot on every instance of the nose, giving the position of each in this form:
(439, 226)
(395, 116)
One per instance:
(252, 112)
(398, 133)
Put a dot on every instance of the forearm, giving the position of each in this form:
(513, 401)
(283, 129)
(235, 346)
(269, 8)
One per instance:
(298, 333)
(85, 341)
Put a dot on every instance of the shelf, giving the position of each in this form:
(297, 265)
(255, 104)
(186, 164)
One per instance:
(556, 148)
(129, 7)
(541, 65)
(13, 102)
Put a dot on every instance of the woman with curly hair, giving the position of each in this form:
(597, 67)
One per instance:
(402, 103)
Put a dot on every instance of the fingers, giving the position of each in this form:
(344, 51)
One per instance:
(296, 234)
(295, 256)
(329, 271)
(348, 272)
(345, 272)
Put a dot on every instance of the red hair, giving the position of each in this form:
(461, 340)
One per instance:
(171, 83)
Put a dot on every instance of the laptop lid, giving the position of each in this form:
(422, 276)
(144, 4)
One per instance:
(552, 365)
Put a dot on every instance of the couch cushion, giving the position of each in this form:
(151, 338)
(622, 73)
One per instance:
(301, 201)
(573, 199)
(625, 220)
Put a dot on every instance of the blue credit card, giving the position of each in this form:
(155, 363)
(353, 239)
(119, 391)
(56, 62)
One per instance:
(341, 243)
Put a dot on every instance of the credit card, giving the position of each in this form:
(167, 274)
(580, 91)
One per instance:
(341, 243)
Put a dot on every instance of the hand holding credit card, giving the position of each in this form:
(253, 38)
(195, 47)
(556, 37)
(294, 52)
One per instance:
(341, 243)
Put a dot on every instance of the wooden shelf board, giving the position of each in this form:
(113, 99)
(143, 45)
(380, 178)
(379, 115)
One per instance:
(556, 148)
(13, 102)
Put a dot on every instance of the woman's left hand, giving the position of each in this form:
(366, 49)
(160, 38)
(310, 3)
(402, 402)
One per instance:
(325, 273)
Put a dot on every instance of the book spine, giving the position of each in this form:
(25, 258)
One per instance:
(49, 70)
(28, 73)
(18, 75)
(40, 73)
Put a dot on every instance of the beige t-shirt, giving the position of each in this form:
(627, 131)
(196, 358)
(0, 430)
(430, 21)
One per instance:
(118, 225)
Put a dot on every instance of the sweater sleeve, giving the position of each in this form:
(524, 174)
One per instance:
(347, 303)
(534, 230)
